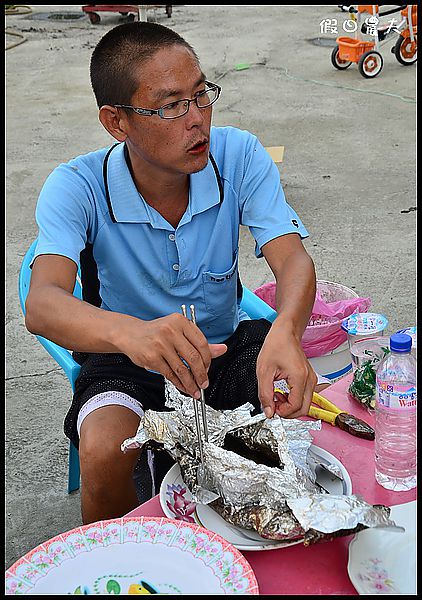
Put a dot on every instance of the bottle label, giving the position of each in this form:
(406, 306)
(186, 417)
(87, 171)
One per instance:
(396, 396)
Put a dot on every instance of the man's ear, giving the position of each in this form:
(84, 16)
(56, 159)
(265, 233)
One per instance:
(113, 121)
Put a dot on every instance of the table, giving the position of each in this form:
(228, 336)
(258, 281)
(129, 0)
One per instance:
(321, 568)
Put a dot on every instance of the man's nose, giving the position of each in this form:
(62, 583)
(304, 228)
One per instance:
(195, 115)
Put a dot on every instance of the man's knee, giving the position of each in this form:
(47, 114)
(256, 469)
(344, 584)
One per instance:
(96, 450)
(100, 441)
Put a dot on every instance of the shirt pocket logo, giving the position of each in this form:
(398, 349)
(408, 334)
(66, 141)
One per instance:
(220, 290)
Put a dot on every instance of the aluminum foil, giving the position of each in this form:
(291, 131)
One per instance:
(328, 513)
(279, 499)
(289, 438)
(239, 481)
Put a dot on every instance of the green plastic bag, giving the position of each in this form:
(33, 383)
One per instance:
(362, 387)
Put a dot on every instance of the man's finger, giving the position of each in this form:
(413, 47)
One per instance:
(297, 385)
(294, 415)
(285, 407)
(309, 392)
(281, 410)
(196, 338)
(191, 378)
(188, 361)
(289, 405)
(266, 395)
(165, 369)
(217, 349)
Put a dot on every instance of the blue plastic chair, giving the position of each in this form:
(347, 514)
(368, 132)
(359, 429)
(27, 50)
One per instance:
(254, 306)
(62, 356)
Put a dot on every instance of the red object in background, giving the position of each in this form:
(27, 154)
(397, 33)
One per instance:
(92, 10)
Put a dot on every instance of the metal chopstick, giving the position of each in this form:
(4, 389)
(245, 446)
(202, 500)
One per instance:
(196, 411)
(203, 410)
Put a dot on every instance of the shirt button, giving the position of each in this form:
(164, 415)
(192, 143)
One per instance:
(176, 267)
(172, 237)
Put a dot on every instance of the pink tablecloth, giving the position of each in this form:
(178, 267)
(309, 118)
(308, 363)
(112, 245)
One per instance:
(322, 568)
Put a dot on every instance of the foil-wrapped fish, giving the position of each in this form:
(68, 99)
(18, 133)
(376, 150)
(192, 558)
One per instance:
(255, 474)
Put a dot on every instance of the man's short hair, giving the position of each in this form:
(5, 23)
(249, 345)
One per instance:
(115, 62)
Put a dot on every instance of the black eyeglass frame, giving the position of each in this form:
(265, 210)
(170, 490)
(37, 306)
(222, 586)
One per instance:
(149, 112)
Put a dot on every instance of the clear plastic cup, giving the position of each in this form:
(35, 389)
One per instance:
(372, 350)
(364, 326)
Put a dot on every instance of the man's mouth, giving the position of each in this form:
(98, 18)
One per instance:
(199, 147)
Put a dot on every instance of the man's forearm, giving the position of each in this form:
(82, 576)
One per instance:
(72, 323)
(295, 292)
(155, 345)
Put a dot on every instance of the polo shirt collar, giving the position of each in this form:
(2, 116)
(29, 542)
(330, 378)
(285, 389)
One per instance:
(124, 200)
(128, 206)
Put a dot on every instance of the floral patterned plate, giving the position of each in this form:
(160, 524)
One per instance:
(383, 561)
(133, 555)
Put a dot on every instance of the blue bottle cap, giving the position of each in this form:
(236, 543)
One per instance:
(400, 342)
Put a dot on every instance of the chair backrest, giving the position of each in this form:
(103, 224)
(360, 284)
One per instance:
(61, 355)
(254, 306)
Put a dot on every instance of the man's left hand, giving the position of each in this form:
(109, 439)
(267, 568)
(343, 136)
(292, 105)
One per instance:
(282, 357)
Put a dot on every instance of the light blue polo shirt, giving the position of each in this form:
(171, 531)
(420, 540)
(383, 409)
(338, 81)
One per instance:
(148, 269)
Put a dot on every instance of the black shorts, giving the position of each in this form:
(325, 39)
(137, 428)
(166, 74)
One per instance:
(232, 377)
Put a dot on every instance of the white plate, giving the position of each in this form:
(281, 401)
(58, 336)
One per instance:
(176, 503)
(383, 561)
(133, 555)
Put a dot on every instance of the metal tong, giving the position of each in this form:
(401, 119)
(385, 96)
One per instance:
(195, 402)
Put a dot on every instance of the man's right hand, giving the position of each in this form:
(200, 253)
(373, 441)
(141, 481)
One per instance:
(173, 346)
(52, 311)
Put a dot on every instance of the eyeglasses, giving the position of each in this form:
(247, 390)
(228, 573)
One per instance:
(180, 107)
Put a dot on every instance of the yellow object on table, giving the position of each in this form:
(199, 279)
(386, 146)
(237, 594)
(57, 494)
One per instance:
(327, 411)
(330, 413)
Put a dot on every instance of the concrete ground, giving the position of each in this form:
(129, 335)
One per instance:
(348, 169)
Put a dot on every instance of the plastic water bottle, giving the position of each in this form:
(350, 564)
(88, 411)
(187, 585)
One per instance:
(395, 417)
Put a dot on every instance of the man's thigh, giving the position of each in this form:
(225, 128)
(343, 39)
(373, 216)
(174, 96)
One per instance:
(108, 379)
